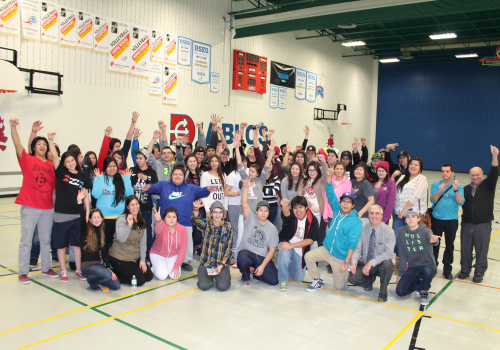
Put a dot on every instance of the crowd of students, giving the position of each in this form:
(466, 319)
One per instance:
(126, 225)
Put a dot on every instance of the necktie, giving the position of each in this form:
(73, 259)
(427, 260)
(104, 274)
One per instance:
(371, 247)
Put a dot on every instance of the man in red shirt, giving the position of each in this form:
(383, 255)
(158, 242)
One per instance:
(35, 198)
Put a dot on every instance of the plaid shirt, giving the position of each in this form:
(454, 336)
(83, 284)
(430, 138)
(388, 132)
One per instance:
(217, 242)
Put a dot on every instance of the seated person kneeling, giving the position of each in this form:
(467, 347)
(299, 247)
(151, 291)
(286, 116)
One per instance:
(373, 255)
(216, 250)
(300, 230)
(258, 243)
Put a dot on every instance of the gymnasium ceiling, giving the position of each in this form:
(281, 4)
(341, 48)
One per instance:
(390, 28)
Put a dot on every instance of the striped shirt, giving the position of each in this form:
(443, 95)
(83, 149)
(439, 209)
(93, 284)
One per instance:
(217, 242)
(414, 191)
(271, 190)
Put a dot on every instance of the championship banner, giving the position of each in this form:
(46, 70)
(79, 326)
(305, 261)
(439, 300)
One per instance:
(320, 86)
(156, 46)
(84, 27)
(50, 27)
(101, 34)
(201, 62)
(67, 26)
(311, 87)
(141, 56)
(273, 96)
(169, 85)
(170, 48)
(214, 82)
(155, 75)
(9, 17)
(300, 84)
(119, 47)
(184, 56)
(30, 19)
(282, 97)
(282, 75)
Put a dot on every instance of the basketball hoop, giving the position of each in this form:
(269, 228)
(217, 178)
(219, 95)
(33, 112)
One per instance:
(344, 118)
(11, 81)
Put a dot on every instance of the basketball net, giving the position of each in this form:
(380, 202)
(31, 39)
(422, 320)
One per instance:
(6, 96)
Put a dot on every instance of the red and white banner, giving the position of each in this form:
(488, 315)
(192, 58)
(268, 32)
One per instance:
(49, 22)
(101, 34)
(9, 17)
(141, 56)
(170, 88)
(170, 44)
(85, 30)
(119, 47)
(157, 49)
(67, 26)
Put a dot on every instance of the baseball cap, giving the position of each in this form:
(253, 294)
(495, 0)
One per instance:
(346, 154)
(217, 205)
(262, 204)
(199, 149)
(143, 151)
(311, 149)
(210, 147)
(403, 153)
(377, 156)
(225, 150)
(411, 212)
(347, 195)
(276, 150)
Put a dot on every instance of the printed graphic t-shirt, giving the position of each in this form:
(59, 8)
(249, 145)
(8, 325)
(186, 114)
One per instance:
(258, 238)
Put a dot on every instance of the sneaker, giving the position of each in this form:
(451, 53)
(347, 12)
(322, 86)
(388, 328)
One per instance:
(477, 279)
(424, 297)
(50, 273)
(78, 274)
(187, 267)
(235, 266)
(463, 275)
(283, 286)
(72, 266)
(64, 276)
(448, 275)
(329, 269)
(24, 279)
(382, 298)
(33, 263)
(368, 289)
(316, 284)
(95, 288)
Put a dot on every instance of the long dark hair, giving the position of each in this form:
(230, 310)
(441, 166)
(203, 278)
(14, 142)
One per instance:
(91, 244)
(112, 145)
(290, 177)
(387, 177)
(33, 144)
(69, 154)
(406, 179)
(140, 223)
(117, 181)
(318, 170)
(219, 168)
(190, 176)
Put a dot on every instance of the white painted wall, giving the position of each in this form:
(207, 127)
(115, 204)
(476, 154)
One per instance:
(95, 98)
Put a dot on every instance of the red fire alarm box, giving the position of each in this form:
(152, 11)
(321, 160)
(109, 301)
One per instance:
(249, 72)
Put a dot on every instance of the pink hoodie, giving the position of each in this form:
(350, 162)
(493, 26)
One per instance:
(344, 186)
(177, 242)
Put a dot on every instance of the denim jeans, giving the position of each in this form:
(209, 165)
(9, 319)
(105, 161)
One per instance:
(415, 279)
(397, 223)
(247, 259)
(100, 275)
(290, 265)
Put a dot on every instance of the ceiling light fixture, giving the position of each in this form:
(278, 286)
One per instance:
(388, 60)
(353, 43)
(467, 55)
(442, 36)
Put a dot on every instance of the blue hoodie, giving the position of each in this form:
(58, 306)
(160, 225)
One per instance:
(338, 241)
(181, 197)
(104, 191)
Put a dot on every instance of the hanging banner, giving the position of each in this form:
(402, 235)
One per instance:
(184, 56)
(170, 48)
(311, 87)
(30, 19)
(155, 75)
(282, 75)
(282, 97)
(169, 85)
(101, 34)
(67, 26)
(9, 17)
(320, 87)
(300, 84)
(50, 28)
(84, 27)
(156, 46)
(201, 62)
(141, 57)
(214, 82)
(119, 47)
(273, 96)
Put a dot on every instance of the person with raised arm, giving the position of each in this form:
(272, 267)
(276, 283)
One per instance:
(166, 163)
(35, 198)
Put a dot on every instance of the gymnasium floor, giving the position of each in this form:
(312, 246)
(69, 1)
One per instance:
(48, 314)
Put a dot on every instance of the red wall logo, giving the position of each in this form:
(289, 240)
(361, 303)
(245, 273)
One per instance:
(181, 124)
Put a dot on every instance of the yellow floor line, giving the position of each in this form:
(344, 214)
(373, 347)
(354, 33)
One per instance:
(11, 229)
(464, 322)
(106, 319)
(31, 273)
(471, 283)
(496, 234)
(401, 332)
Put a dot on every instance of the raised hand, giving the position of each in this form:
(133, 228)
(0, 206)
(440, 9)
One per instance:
(270, 132)
(185, 139)
(135, 116)
(306, 130)
(321, 158)
(97, 172)
(14, 122)
(363, 141)
(157, 214)
(128, 172)
(161, 124)
(355, 144)
(392, 146)
(82, 193)
(494, 150)
(108, 131)
(137, 133)
(247, 183)
(219, 131)
(272, 145)
(198, 204)
(288, 147)
(51, 135)
(298, 148)
(285, 202)
(243, 126)
(215, 119)
(237, 140)
(455, 185)
(156, 134)
(37, 126)
(199, 124)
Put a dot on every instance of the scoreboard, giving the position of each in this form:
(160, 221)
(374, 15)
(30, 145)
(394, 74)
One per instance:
(249, 72)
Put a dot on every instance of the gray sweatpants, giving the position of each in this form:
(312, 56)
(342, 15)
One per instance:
(477, 236)
(235, 217)
(31, 217)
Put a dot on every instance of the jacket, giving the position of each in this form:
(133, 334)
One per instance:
(345, 185)
(479, 208)
(386, 198)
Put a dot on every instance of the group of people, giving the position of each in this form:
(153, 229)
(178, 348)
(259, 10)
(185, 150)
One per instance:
(126, 225)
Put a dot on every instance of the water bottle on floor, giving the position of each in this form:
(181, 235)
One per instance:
(134, 283)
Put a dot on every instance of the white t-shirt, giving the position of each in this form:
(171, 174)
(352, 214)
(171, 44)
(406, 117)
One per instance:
(217, 195)
(233, 180)
(299, 234)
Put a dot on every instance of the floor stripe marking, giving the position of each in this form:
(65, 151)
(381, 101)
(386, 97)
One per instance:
(471, 283)
(496, 234)
(401, 332)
